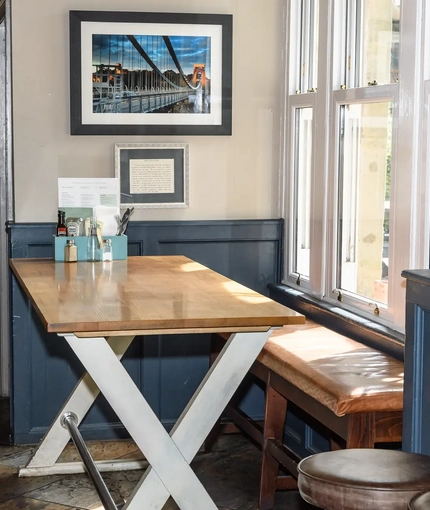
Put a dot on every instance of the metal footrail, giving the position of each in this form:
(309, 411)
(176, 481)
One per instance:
(70, 422)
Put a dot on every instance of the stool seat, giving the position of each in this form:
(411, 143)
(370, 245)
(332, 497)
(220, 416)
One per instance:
(363, 479)
(420, 502)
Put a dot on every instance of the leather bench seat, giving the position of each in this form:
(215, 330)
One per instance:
(352, 394)
(342, 374)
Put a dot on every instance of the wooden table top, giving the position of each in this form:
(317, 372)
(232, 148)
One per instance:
(153, 295)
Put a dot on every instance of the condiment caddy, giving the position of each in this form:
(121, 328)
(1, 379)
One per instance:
(118, 244)
(78, 240)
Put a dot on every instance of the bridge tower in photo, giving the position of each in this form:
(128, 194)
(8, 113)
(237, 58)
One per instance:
(108, 79)
(199, 75)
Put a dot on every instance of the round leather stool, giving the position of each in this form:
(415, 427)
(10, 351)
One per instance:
(420, 502)
(363, 479)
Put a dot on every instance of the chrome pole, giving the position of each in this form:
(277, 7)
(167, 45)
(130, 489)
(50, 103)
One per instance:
(69, 421)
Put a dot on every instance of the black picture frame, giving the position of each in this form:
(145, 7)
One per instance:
(158, 167)
(101, 109)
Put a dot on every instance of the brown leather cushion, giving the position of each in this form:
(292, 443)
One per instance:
(420, 502)
(363, 479)
(344, 375)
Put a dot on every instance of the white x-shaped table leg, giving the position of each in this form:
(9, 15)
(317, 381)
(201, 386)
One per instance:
(56, 438)
(169, 456)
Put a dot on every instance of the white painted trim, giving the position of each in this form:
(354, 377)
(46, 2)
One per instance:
(359, 95)
(297, 102)
(72, 468)
(4, 280)
(405, 190)
(292, 102)
(366, 94)
(6, 195)
(423, 242)
(286, 207)
(422, 192)
(319, 227)
(282, 186)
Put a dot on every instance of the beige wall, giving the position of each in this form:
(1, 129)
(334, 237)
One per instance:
(231, 177)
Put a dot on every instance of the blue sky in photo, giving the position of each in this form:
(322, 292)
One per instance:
(111, 49)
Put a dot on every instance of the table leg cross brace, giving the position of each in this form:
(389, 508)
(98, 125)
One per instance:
(43, 461)
(169, 456)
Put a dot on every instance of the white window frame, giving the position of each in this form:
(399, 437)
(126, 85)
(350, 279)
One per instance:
(365, 95)
(409, 215)
(298, 102)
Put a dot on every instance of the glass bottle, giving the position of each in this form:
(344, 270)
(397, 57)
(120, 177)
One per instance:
(70, 251)
(93, 246)
(107, 250)
(61, 224)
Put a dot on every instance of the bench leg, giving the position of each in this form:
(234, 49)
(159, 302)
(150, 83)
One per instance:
(334, 445)
(361, 430)
(274, 421)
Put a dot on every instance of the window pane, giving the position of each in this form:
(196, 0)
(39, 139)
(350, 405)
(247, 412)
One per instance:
(377, 43)
(364, 199)
(309, 45)
(302, 185)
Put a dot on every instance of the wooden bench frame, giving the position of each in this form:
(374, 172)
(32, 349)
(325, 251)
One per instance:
(355, 430)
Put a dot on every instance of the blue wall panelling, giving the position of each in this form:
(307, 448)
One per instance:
(167, 368)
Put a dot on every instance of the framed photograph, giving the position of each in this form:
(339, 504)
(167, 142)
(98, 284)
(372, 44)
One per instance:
(138, 73)
(152, 175)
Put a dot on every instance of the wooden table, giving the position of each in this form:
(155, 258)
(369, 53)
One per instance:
(98, 308)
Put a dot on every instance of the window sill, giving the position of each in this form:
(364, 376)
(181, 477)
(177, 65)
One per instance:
(344, 322)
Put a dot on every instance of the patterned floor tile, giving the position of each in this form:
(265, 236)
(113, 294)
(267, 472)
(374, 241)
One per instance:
(78, 490)
(122, 482)
(230, 473)
(170, 505)
(101, 450)
(133, 455)
(17, 460)
(9, 452)
(11, 485)
(32, 504)
(232, 476)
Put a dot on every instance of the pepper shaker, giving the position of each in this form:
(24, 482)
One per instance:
(70, 251)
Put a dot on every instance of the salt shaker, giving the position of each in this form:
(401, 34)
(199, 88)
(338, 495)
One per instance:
(107, 250)
(70, 251)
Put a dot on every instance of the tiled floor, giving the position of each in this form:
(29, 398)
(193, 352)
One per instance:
(230, 474)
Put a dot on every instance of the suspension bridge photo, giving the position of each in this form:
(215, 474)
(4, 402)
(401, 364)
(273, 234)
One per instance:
(151, 74)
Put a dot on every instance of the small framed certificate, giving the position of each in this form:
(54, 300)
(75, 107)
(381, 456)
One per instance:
(153, 175)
